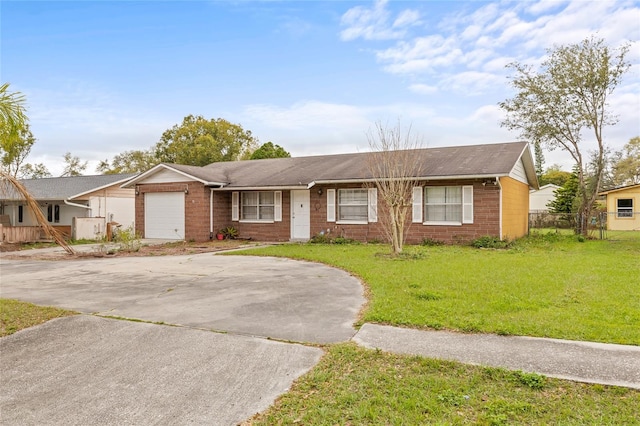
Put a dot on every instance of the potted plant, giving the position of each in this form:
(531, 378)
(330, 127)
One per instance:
(229, 233)
(220, 235)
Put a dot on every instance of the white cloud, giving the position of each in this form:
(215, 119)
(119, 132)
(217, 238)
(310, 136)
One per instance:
(375, 23)
(422, 54)
(423, 89)
(476, 43)
(472, 82)
(540, 7)
(315, 127)
(62, 118)
(407, 18)
(309, 114)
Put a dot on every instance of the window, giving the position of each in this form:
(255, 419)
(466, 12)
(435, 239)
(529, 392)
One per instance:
(20, 214)
(263, 206)
(443, 204)
(624, 207)
(53, 213)
(353, 205)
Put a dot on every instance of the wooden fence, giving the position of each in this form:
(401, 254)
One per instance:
(20, 234)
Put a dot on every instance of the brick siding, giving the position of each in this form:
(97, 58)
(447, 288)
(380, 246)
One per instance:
(486, 205)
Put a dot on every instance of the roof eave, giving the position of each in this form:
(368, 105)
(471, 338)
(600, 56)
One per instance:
(263, 188)
(118, 182)
(529, 167)
(622, 188)
(419, 178)
(132, 182)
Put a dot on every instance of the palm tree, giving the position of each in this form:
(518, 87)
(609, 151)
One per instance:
(12, 115)
(11, 108)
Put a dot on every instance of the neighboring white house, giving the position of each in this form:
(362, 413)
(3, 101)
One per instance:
(539, 198)
(64, 200)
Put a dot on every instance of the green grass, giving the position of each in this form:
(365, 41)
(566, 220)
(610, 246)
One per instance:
(356, 386)
(16, 315)
(545, 285)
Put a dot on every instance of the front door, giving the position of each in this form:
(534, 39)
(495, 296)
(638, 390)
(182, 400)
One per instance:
(300, 214)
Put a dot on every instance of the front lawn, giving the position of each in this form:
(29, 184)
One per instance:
(546, 285)
(356, 386)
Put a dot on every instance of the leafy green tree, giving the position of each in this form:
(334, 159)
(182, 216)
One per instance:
(569, 94)
(15, 147)
(73, 166)
(269, 150)
(34, 171)
(136, 161)
(539, 157)
(16, 139)
(554, 175)
(626, 164)
(12, 111)
(566, 196)
(198, 142)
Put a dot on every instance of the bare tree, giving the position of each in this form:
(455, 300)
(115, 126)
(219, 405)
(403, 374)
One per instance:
(393, 166)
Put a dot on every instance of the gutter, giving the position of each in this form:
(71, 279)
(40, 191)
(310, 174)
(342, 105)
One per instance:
(211, 213)
(69, 203)
(422, 178)
(261, 188)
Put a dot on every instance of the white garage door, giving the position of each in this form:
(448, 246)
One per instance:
(164, 215)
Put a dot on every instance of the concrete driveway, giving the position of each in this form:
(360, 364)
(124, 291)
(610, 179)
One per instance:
(91, 370)
(267, 297)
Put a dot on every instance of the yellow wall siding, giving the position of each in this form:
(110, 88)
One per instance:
(616, 223)
(515, 208)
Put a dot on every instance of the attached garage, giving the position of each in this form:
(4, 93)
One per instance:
(164, 215)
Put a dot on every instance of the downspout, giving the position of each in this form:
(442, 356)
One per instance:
(500, 208)
(211, 213)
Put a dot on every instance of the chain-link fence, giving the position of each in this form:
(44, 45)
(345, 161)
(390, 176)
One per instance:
(598, 225)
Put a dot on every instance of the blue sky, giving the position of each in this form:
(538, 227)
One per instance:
(108, 76)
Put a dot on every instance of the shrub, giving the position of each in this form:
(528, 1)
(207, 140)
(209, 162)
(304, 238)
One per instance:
(320, 238)
(127, 239)
(489, 241)
(230, 233)
(430, 242)
(343, 240)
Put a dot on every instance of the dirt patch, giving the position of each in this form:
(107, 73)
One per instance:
(113, 250)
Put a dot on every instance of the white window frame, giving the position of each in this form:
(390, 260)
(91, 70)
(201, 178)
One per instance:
(466, 205)
(371, 206)
(237, 207)
(417, 207)
(331, 205)
(365, 206)
(624, 212)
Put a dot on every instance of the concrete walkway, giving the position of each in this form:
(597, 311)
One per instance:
(588, 362)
